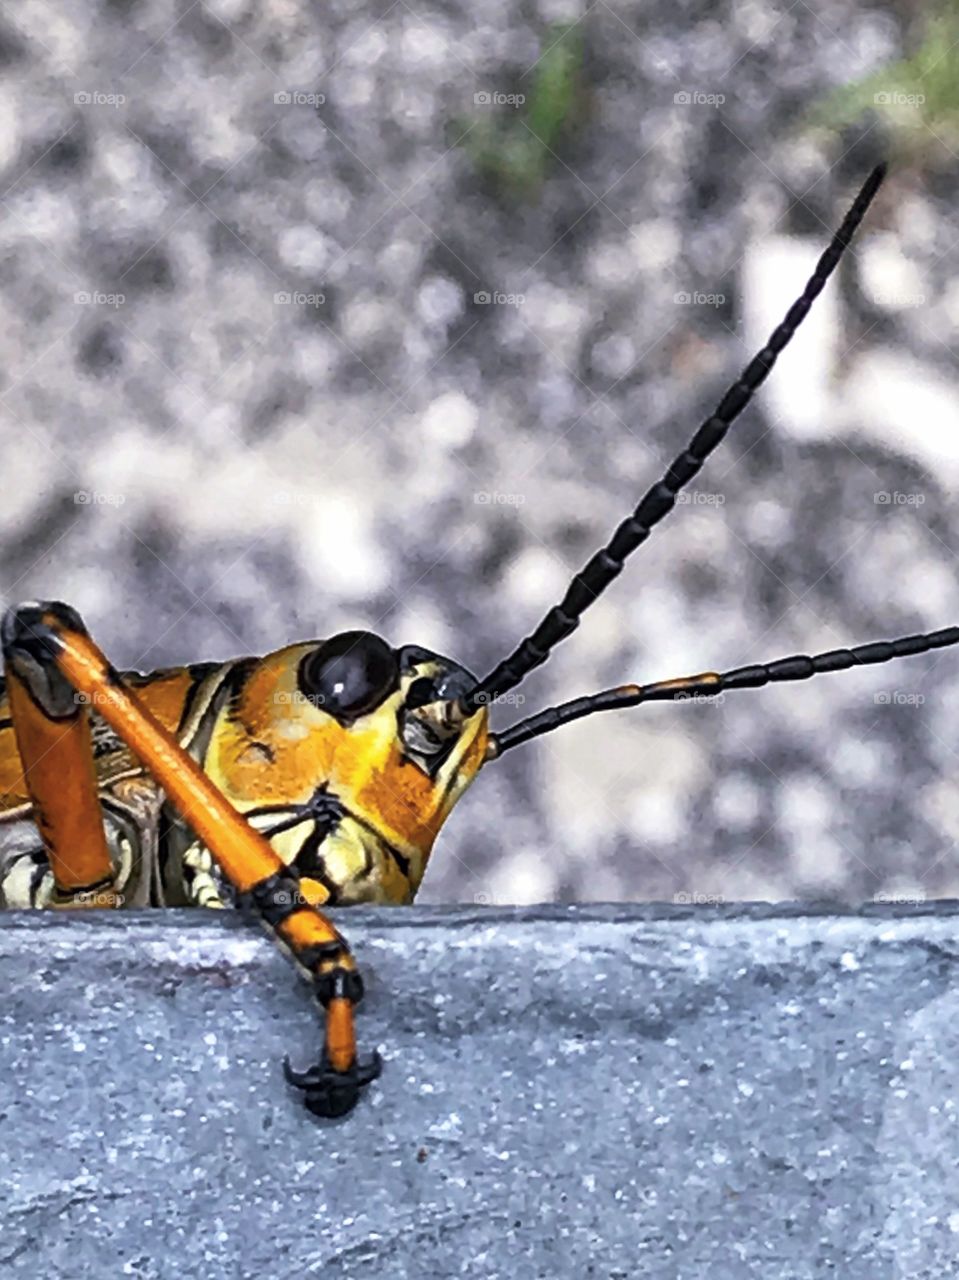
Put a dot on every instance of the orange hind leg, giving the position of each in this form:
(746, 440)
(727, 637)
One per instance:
(52, 730)
(50, 658)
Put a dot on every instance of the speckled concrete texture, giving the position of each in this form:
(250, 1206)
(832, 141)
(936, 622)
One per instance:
(248, 395)
(608, 1092)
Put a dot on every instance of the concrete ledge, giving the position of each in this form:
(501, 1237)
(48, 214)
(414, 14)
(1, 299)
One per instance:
(601, 1091)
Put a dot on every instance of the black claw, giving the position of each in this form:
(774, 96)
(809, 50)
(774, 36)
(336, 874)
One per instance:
(330, 1093)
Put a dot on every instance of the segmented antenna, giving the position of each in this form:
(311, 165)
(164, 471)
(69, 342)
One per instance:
(709, 683)
(608, 563)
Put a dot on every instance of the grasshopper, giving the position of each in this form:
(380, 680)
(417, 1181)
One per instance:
(318, 775)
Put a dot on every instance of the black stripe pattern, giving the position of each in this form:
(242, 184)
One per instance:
(606, 565)
(709, 683)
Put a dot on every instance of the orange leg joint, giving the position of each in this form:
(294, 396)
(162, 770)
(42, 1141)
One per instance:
(52, 659)
(53, 739)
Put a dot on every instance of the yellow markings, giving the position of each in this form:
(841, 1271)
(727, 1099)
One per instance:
(361, 763)
(684, 682)
(163, 695)
(245, 856)
(313, 892)
(271, 745)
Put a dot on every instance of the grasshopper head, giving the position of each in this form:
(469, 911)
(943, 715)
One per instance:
(378, 730)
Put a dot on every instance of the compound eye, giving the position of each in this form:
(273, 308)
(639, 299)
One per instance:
(350, 674)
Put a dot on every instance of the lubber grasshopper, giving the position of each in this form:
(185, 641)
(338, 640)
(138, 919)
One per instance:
(319, 774)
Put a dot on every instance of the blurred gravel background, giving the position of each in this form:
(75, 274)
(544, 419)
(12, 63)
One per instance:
(251, 393)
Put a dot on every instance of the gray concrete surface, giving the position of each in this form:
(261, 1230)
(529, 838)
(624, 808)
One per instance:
(601, 1091)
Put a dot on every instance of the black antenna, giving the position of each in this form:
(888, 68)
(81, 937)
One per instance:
(607, 564)
(709, 683)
